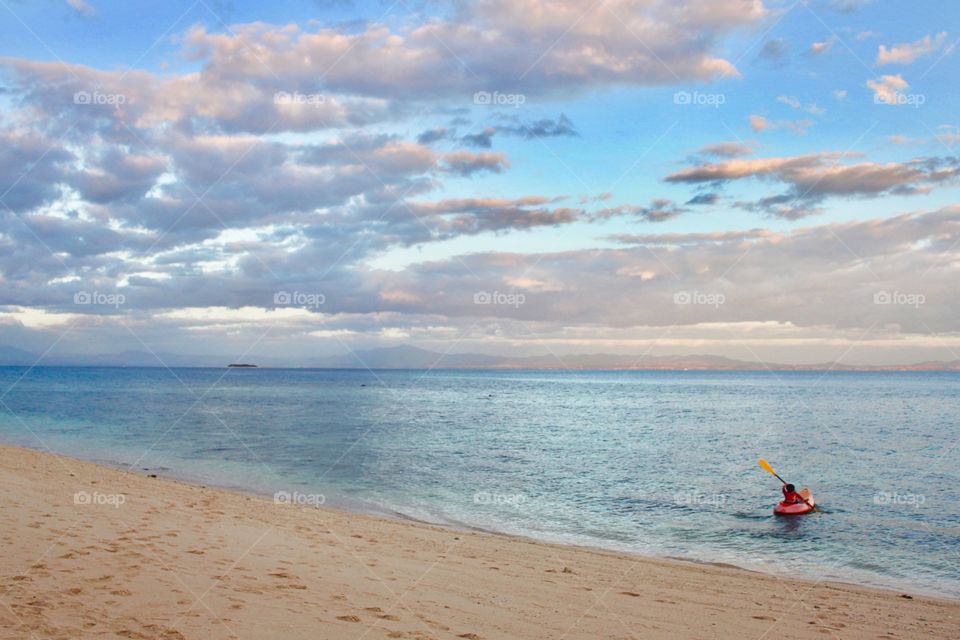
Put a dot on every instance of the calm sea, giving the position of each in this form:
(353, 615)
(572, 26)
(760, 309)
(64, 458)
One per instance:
(660, 463)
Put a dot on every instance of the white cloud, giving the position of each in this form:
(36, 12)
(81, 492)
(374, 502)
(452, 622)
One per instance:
(760, 123)
(849, 6)
(514, 47)
(81, 7)
(589, 296)
(819, 48)
(887, 88)
(811, 178)
(907, 53)
(33, 318)
(948, 134)
(789, 101)
(901, 139)
(727, 149)
(795, 103)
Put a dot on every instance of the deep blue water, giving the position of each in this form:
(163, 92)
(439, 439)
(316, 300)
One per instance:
(661, 463)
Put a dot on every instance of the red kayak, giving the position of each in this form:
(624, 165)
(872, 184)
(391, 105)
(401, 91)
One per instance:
(796, 508)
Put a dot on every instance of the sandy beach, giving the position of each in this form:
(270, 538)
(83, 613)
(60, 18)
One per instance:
(94, 552)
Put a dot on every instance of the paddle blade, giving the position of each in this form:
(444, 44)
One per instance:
(766, 467)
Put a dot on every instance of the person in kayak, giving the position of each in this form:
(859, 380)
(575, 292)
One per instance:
(790, 495)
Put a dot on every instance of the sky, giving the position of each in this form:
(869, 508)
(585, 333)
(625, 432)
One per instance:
(757, 179)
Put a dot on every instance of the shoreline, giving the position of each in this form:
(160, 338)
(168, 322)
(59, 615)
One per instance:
(181, 560)
(345, 508)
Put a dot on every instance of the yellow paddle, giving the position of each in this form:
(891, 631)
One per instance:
(766, 467)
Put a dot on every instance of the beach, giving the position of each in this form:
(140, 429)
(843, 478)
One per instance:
(96, 552)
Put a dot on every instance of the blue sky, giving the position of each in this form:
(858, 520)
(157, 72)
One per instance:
(795, 189)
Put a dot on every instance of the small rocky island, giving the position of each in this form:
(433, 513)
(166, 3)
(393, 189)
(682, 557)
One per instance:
(241, 366)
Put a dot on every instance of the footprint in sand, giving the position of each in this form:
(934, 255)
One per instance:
(349, 618)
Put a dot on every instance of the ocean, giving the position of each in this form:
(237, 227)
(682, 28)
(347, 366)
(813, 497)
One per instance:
(655, 463)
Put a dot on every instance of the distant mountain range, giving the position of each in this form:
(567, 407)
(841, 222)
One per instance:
(410, 357)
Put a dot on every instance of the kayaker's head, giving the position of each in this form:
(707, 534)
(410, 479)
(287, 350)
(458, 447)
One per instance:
(790, 487)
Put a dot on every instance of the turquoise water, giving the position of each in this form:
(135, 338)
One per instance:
(660, 463)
